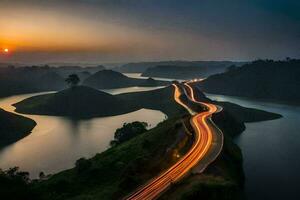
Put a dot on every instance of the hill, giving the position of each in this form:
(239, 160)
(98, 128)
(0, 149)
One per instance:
(28, 80)
(77, 102)
(140, 67)
(21, 80)
(264, 79)
(160, 99)
(180, 72)
(13, 127)
(66, 70)
(106, 79)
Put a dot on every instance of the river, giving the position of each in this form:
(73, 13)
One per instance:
(57, 142)
(270, 150)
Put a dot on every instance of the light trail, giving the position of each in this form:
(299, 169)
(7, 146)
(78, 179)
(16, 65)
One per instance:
(199, 149)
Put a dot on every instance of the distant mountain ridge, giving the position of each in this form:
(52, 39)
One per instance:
(28, 80)
(180, 72)
(140, 67)
(265, 79)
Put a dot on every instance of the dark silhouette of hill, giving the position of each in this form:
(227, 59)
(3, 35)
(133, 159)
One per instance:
(140, 67)
(77, 102)
(180, 72)
(28, 80)
(13, 127)
(105, 79)
(264, 79)
(21, 80)
(160, 99)
(82, 72)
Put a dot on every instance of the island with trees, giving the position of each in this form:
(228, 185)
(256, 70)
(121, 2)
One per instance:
(77, 102)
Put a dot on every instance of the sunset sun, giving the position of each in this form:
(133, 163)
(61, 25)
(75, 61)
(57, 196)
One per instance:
(6, 50)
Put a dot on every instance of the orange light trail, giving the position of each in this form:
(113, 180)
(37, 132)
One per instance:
(200, 147)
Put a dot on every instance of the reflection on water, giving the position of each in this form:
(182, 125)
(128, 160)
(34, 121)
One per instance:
(131, 89)
(57, 142)
(271, 151)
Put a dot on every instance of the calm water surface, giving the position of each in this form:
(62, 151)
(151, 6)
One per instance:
(138, 75)
(131, 89)
(271, 151)
(57, 142)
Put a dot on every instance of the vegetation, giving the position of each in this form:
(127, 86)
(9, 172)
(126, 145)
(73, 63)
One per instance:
(140, 155)
(264, 79)
(117, 171)
(129, 131)
(13, 127)
(14, 185)
(73, 80)
(224, 178)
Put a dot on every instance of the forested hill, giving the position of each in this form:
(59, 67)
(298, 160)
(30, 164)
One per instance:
(265, 79)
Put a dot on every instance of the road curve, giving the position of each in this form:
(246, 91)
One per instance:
(201, 147)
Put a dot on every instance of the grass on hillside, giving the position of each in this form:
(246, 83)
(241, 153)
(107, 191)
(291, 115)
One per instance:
(117, 171)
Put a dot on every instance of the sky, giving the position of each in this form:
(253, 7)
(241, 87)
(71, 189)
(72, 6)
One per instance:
(43, 31)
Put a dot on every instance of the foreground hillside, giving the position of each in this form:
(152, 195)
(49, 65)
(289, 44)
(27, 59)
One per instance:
(270, 80)
(13, 127)
(78, 102)
(106, 79)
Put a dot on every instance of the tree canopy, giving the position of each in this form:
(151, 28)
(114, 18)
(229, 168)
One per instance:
(128, 131)
(73, 80)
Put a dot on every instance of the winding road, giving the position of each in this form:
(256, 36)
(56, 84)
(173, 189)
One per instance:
(207, 146)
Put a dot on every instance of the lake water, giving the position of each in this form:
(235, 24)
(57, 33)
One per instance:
(131, 89)
(57, 142)
(271, 151)
(138, 75)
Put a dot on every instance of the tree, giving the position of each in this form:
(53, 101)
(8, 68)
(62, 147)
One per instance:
(128, 131)
(73, 80)
(42, 175)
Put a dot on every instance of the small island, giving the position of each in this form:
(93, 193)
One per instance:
(75, 102)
